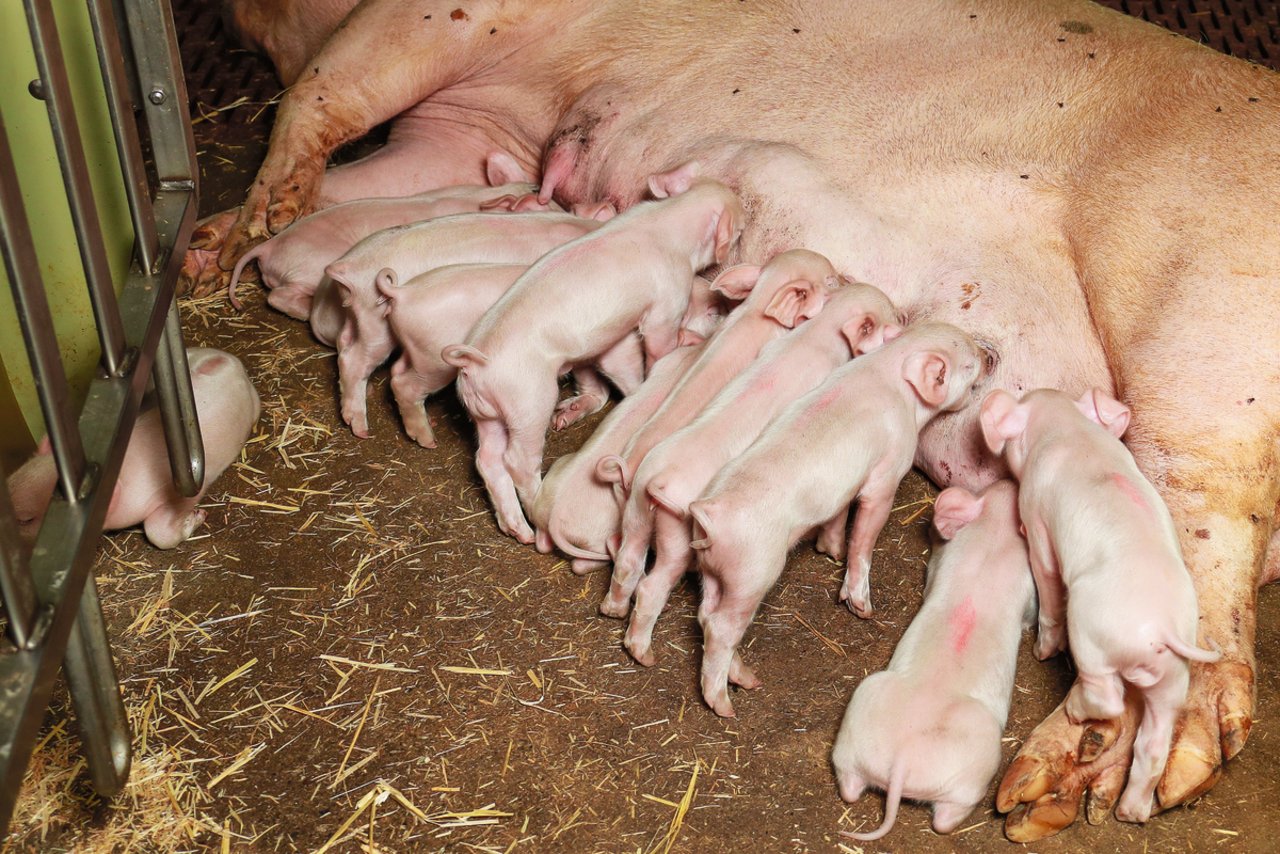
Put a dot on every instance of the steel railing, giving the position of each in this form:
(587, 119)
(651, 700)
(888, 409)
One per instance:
(50, 598)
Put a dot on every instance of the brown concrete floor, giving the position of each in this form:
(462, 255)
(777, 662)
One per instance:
(378, 552)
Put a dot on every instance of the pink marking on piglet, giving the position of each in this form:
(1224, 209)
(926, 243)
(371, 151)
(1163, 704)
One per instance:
(961, 622)
(1130, 491)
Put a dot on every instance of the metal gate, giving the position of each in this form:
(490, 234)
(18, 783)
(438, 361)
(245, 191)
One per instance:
(49, 596)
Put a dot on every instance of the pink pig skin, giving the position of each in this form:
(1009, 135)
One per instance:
(365, 341)
(227, 407)
(929, 726)
(635, 273)
(292, 263)
(426, 314)
(853, 437)
(1107, 565)
(790, 289)
(857, 318)
(575, 509)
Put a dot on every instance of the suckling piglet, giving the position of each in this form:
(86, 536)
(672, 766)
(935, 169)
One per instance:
(575, 509)
(227, 406)
(856, 319)
(852, 438)
(635, 273)
(929, 726)
(365, 341)
(787, 291)
(292, 263)
(427, 313)
(1107, 566)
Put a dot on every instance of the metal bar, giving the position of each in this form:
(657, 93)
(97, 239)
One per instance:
(68, 539)
(116, 82)
(15, 581)
(75, 174)
(32, 304)
(178, 409)
(95, 693)
(164, 91)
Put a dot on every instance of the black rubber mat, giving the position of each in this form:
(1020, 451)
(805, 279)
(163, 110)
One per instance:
(1249, 29)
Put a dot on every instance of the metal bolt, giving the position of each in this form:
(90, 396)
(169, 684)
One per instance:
(156, 96)
(36, 88)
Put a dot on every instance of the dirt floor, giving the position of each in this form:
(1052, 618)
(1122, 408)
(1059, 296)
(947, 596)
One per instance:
(350, 657)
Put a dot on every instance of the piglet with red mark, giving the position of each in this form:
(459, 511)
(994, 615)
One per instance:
(365, 340)
(857, 319)
(1107, 566)
(575, 509)
(636, 273)
(852, 438)
(292, 263)
(227, 407)
(928, 727)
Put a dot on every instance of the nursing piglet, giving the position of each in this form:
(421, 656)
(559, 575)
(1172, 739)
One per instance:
(928, 727)
(292, 262)
(575, 509)
(787, 291)
(365, 341)
(852, 438)
(856, 320)
(227, 407)
(1107, 566)
(428, 313)
(634, 274)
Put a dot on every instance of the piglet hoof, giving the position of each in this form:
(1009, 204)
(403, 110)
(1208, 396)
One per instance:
(574, 409)
(859, 606)
(615, 605)
(718, 700)
(743, 676)
(641, 652)
(834, 550)
(357, 419)
(1050, 642)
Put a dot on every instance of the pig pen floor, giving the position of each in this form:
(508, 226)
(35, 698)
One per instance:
(350, 657)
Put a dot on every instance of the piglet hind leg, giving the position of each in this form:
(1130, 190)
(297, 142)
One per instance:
(1161, 703)
(411, 389)
(671, 562)
(725, 615)
(492, 440)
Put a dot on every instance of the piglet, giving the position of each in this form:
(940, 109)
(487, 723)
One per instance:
(852, 438)
(857, 319)
(227, 406)
(575, 509)
(634, 274)
(292, 262)
(786, 292)
(1107, 566)
(427, 313)
(929, 727)
(365, 341)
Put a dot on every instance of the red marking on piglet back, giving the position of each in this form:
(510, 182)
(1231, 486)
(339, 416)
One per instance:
(829, 397)
(1129, 490)
(961, 622)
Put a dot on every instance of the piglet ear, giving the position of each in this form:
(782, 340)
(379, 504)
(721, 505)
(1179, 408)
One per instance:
(1102, 408)
(865, 335)
(954, 508)
(501, 168)
(736, 282)
(927, 373)
(599, 211)
(726, 234)
(1002, 418)
(663, 185)
(796, 301)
